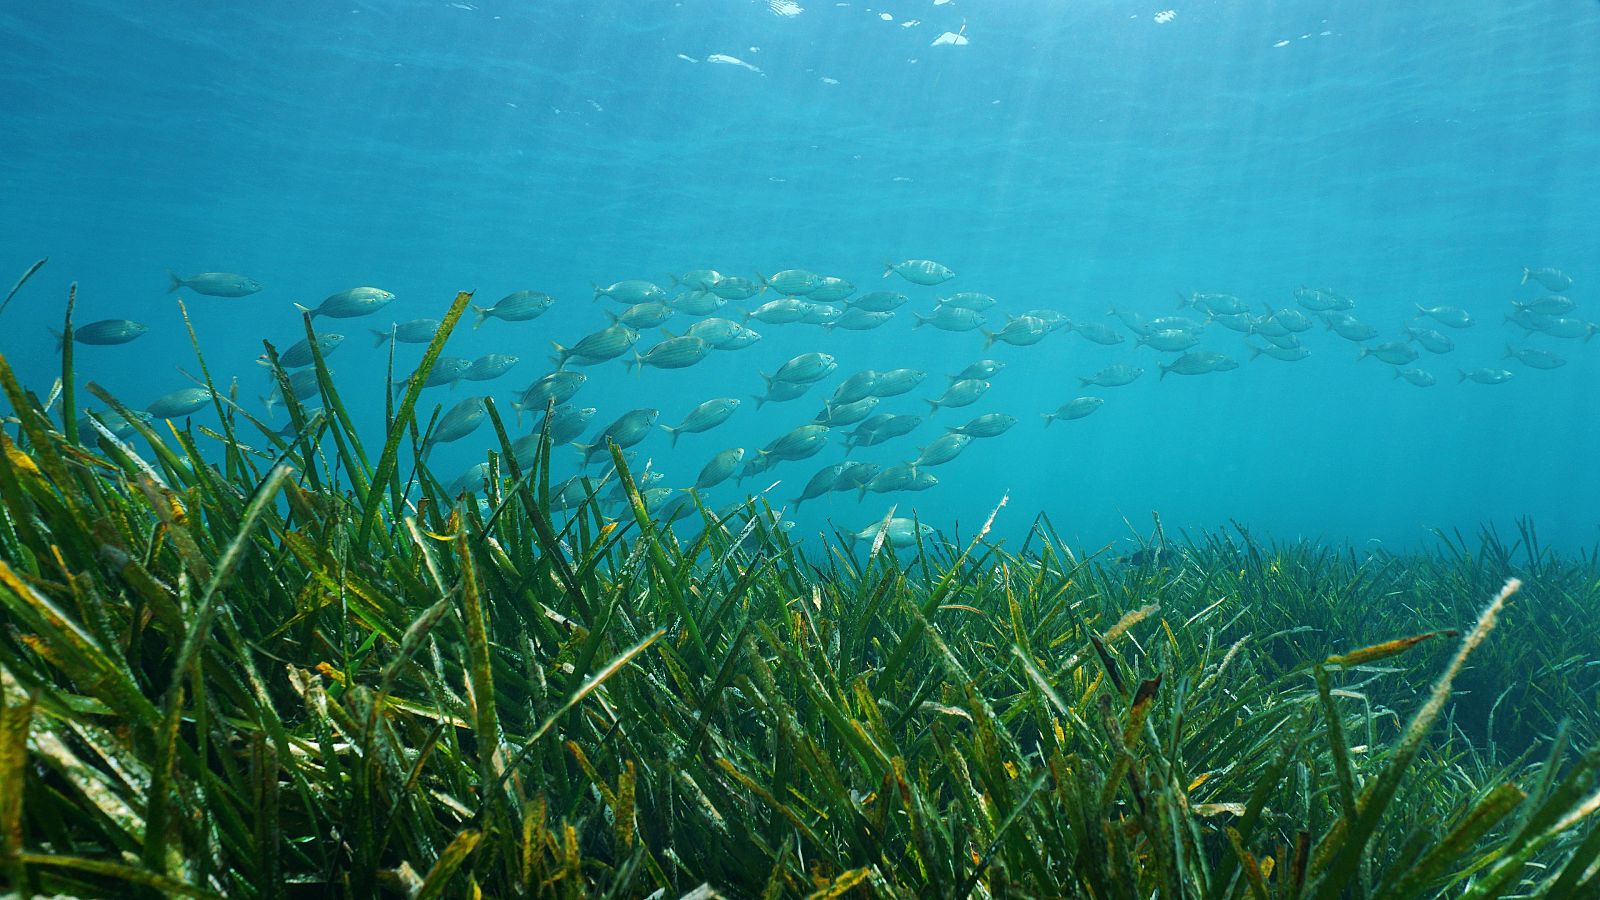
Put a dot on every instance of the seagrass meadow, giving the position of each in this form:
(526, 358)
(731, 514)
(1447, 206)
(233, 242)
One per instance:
(248, 663)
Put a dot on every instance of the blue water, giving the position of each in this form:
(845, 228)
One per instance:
(1072, 156)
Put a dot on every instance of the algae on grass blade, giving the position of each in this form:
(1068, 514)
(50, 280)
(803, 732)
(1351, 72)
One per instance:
(204, 675)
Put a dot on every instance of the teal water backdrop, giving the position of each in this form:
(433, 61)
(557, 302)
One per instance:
(1075, 157)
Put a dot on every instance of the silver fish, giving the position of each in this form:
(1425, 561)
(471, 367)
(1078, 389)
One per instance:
(416, 331)
(1169, 341)
(782, 311)
(715, 331)
(303, 385)
(720, 468)
(961, 393)
(299, 354)
(798, 443)
(804, 369)
(982, 370)
(857, 319)
(181, 402)
(1431, 341)
(1240, 322)
(1051, 317)
(781, 391)
(1534, 358)
(607, 343)
(1322, 300)
(1293, 319)
(1281, 341)
(1570, 328)
(697, 303)
(821, 483)
(943, 449)
(627, 430)
(446, 370)
(518, 306)
(358, 301)
(835, 415)
(1548, 305)
(740, 339)
(792, 282)
(733, 287)
(898, 477)
(1286, 354)
(899, 532)
(879, 428)
(1200, 362)
(644, 315)
(1099, 333)
(919, 271)
(1552, 279)
(1076, 408)
(216, 284)
(559, 386)
(950, 318)
(1349, 327)
(631, 291)
(1417, 377)
(459, 421)
(490, 366)
(895, 382)
(1486, 376)
(852, 475)
(1022, 331)
(1395, 353)
(1115, 375)
(672, 353)
(831, 290)
(821, 314)
(704, 417)
(987, 425)
(969, 300)
(1446, 315)
(1215, 304)
(879, 301)
(563, 427)
(105, 332)
(697, 279)
(856, 387)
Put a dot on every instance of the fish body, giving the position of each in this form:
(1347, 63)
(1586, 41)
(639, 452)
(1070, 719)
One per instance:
(1534, 358)
(1116, 375)
(416, 331)
(564, 425)
(1349, 327)
(987, 425)
(879, 301)
(490, 366)
(982, 370)
(881, 427)
(517, 306)
(1552, 279)
(1395, 353)
(1054, 318)
(806, 368)
(672, 353)
(1076, 408)
(1023, 331)
(1169, 341)
(471, 480)
(781, 311)
(216, 284)
(925, 272)
(113, 421)
(798, 443)
(852, 475)
(181, 402)
(1267, 326)
(302, 384)
(857, 319)
(627, 430)
(697, 279)
(1486, 376)
(898, 477)
(900, 532)
(1200, 362)
(1293, 319)
(1548, 305)
(836, 415)
(697, 302)
(1286, 354)
(792, 282)
(1570, 328)
(895, 382)
(446, 370)
(950, 318)
(719, 468)
(644, 315)
(857, 387)
(607, 343)
(831, 290)
(733, 287)
(1431, 341)
(943, 449)
(973, 300)
(704, 417)
(821, 483)
(1417, 377)
(1240, 322)
(559, 386)
(781, 391)
(1099, 333)
(106, 332)
(357, 301)
(821, 313)
(1282, 341)
(714, 331)
(1446, 315)
(459, 421)
(1322, 300)
(630, 291)
(1214, 304)
(961, 393)
(299, 354)
(740, 339)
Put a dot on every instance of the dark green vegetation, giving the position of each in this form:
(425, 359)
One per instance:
(306, 670)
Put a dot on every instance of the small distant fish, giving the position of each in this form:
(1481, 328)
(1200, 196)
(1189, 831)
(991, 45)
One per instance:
(672, 353)
(1548, 305)
(792, 282)
(1446, 315)
(899, 532)
(1076, 408)
(1214, 304)
(972, 300)
(1349, 327)
(879, 301)
(961, 393)
(359, 301)
(1169, 341)
(719, 468)
(942, 450)
(919, 271)
(105, 332)
(1116, 375)
(607, 343)
(1023, 331)
(216, 284)
(982, 370)
(518, 306)
(181, 402)
(858, 319)
(895, 382)
(704, 417)
(1534, 358)
(879, 428)
(697, 302)
(1552, 279)
(1200, 362)
(1486, 376)
(640, 316)
(1099, 333)
(631, 291)
(416, 331)
(299, 354)
(1286, 354)
(490, 366)
(1395, 353)
(1417, 377)
(987, 425)
(1431, 341)
(1322, 300)
(949, 318)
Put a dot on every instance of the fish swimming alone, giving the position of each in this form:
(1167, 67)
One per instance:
(358, 301)
(919, 271)
(704, 417)
(216, 284)
(106, 332)
(518, 306)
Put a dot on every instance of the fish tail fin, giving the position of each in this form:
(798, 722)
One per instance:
(483, 315)
(933, 406)
(1509, 352)
(612, 315)
(1049, 419)
(1421, 311)
(1254, 351)
(1363, 354)
(1085, 382)
(988, 338)
(270, 401)
(379, 338)
(1396, 371)
(921, 319)
(759, 400)
(637, 363)
(888, 267)
(1463, 374)
(1163, 367)
(672, 431)
(1526, 274)
(797, 501)
(1184, 299)
(60, 340)
(668, 334)
(598, 290)
(560, 359)
(674, 279)
(306, 309)
(177, 281)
